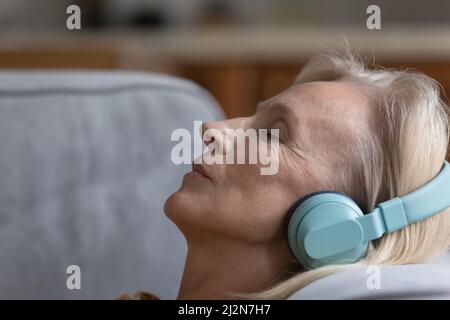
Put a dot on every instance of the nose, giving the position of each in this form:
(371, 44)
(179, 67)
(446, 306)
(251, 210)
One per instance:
(216, 132)
(206, 126)
(213, 133)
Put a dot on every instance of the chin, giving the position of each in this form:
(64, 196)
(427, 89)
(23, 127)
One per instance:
(172, 205)
(179, 204)
(188, 210)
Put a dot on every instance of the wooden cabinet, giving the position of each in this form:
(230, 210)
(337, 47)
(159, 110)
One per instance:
(236, 86)
(72, 58)
(239, 87)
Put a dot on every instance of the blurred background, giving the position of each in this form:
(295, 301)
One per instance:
(242, 51)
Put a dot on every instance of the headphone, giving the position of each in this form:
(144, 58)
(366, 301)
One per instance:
(328, 227)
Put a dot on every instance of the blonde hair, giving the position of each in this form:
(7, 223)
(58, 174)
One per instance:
(404, 154)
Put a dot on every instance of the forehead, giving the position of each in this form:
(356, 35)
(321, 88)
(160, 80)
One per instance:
(327, 101)
(341, 99)
(328, 110)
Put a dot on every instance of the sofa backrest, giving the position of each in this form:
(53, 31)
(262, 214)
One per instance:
(85, 168)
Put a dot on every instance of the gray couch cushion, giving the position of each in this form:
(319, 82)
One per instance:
(85, 168)
(421, 281)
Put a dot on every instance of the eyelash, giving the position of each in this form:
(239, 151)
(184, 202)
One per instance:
(269, 136)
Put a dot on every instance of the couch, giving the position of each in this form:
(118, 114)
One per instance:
(84, 171)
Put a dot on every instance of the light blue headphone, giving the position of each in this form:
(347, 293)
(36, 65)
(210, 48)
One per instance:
(328, 227)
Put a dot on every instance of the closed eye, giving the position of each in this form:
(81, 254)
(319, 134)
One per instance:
(271, 134)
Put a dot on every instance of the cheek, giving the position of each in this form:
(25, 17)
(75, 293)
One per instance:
(268, 199)
(268, 212)
(255, 208)
(271, 201)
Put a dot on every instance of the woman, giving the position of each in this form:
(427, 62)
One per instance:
(370, 134)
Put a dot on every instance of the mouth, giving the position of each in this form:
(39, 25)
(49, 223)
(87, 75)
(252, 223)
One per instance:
(198, 171)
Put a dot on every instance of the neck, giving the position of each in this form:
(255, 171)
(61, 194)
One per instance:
(213, 269)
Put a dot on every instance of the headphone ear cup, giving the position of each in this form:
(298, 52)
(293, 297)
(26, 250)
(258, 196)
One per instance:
(317, 211)
(297, 203)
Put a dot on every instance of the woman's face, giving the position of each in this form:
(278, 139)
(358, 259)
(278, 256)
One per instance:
(236, 202)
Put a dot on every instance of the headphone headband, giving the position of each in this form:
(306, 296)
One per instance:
(430, 199)
(397, 213)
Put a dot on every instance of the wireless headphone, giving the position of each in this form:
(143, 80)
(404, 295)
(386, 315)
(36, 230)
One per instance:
(328, 227)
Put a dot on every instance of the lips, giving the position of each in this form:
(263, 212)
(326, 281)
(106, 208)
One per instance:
(199, 169)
